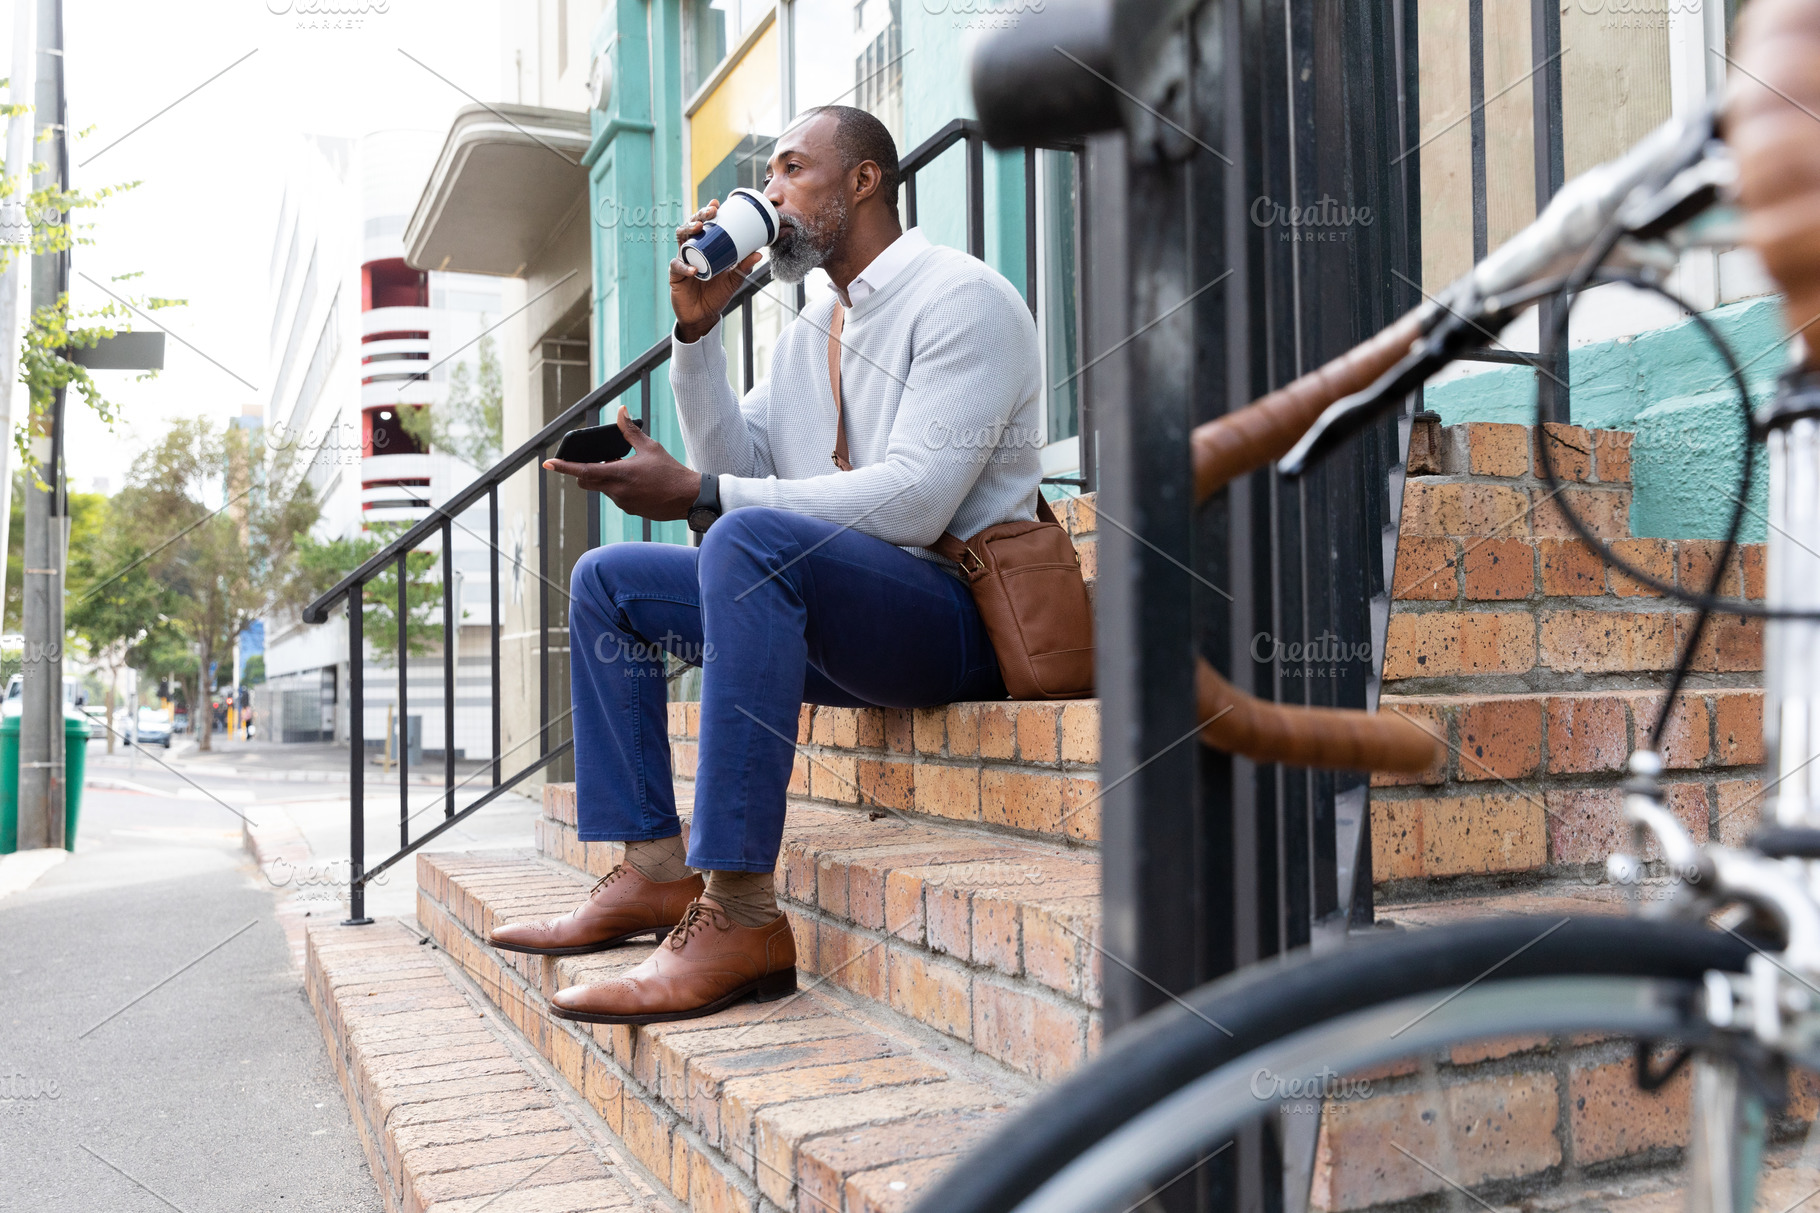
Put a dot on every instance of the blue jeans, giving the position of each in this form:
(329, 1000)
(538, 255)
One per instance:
(778, 609)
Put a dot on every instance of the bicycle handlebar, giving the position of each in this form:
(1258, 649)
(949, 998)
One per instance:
(1241, 442)
(1768, 121)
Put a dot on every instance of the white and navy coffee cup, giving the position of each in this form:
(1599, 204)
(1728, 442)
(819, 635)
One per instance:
(745, 223)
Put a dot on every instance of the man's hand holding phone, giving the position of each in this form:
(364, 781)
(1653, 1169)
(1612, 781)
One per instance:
(651, 484)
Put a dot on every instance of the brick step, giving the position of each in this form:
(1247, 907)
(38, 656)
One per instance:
(1562, 1102)
(818, 1103)
(452, 1109)
(1026, 767)
(992, 941)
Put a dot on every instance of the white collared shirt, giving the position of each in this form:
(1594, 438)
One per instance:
(887, 265)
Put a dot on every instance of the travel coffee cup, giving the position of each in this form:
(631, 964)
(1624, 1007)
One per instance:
(745, 223)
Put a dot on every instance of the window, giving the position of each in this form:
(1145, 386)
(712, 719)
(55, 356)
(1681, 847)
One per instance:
(392, 283)
(1058, 245)
(711, 28)
(383, 433)
(878, 73)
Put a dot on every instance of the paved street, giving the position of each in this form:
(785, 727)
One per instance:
(158, 1051)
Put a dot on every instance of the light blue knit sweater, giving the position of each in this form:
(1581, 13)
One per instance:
(942, 387)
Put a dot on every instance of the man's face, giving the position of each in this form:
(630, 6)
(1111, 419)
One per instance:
(807, 184)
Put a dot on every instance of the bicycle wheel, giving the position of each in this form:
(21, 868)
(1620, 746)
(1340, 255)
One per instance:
(1490, 1062)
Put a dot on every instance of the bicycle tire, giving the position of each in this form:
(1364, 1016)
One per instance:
(1176, 1045)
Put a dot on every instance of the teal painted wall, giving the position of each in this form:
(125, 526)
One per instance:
(936, 91)
(1671, 387)
(634, 167)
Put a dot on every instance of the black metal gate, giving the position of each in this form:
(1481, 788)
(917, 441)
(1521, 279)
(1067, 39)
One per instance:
(1254, 216)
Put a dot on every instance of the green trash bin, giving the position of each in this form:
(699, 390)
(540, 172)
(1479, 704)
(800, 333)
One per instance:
(75, 763)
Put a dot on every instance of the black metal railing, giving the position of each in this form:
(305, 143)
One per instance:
(441, 522)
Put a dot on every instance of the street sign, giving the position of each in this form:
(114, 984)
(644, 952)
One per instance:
(123, 352)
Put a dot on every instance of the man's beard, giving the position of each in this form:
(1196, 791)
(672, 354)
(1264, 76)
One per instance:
(809, 241)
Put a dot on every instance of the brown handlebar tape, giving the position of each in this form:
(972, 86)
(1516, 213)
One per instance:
(1231, 446)
(1239, 443)
(1769, 122)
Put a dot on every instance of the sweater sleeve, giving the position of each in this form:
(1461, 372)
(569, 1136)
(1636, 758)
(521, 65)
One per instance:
(721, 433)
(973, 355)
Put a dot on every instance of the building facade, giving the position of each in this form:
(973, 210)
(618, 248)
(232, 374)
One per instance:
(363, 342)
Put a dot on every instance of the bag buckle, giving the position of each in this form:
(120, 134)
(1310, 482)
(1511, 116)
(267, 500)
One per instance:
(979, 566)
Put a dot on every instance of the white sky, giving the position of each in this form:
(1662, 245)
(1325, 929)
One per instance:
(201, 225)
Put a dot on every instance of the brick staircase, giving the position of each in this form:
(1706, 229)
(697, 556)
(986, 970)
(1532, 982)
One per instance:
(940, 872)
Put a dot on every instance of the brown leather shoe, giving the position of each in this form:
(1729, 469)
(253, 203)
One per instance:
(622, 905)
(709, 962)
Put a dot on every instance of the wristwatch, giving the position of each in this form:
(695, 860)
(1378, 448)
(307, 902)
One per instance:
(707, 505)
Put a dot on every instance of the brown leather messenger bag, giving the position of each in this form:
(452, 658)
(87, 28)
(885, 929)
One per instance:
(1026, 581)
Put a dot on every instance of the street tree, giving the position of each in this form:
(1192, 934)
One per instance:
(225, 538)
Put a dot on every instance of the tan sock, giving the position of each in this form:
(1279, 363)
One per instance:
(749, 898)
(659, 859)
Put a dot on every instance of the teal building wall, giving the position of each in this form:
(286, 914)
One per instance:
(1672, 387)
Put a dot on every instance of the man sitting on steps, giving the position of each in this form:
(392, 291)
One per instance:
(812, 583)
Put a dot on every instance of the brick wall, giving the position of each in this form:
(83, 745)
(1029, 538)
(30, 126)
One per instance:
(1542, 669)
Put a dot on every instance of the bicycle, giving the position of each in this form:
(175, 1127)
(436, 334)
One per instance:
(1443, 1043)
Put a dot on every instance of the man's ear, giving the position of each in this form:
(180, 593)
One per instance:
(866, 179)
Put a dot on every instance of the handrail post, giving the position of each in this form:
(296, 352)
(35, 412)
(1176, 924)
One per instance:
(644, 396)
(976, 195)
(404, 717)
(543, 610)
(357, 757)
(1030, 282)
(493, 616)
(451, 640)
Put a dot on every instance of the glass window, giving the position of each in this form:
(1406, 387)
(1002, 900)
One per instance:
(1059, 276)
(710, 30)
(878, 72)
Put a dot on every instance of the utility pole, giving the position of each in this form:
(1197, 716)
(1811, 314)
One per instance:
(18, 166)
(41, 791)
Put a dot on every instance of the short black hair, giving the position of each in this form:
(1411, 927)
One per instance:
(858, 136)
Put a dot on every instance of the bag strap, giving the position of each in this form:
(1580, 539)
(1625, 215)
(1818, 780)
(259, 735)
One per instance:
(835, 325)
(954, 549)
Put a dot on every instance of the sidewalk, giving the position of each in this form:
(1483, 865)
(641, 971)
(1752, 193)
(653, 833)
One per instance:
(159, 1053)
(296, 762)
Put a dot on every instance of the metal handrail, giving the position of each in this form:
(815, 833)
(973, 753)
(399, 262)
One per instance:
(440, 522)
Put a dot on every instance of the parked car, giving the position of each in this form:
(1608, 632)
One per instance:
(154, 726)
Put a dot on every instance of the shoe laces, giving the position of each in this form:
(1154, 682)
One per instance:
(698, 913)
(618, 870)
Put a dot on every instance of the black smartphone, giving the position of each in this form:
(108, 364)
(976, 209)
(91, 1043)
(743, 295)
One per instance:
(595, 444)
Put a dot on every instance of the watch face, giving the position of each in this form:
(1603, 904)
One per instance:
(701, 518)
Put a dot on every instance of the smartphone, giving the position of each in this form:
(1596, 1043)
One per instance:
(595, 444)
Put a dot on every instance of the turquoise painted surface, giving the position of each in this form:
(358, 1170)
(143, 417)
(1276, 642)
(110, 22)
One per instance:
(936, 91)
(1672, 388)
(634, 171)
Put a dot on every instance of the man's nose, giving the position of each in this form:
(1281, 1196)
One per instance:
(774, 190)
